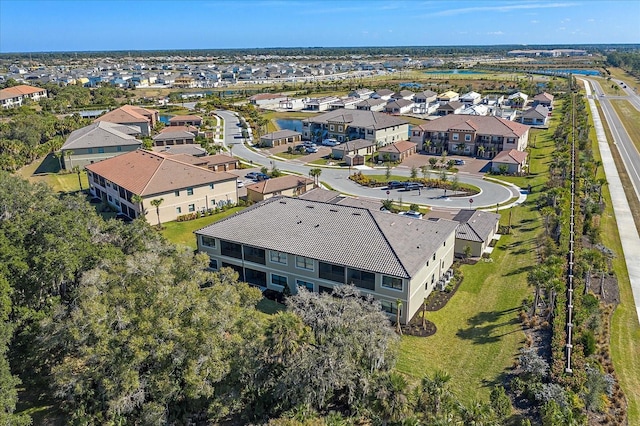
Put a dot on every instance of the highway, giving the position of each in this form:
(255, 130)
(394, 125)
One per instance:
(627, 230)
(338, 178)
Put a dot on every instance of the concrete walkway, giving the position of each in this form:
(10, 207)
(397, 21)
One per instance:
(626, 226)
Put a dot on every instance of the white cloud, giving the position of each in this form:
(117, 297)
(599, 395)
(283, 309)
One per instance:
(534, 21)
(495, 33)
(503, 8)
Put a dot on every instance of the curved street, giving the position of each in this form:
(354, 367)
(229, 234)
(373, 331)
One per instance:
(491, 193)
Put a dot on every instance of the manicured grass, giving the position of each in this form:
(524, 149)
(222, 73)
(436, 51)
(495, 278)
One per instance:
(47, 170)
(269, 307)
(288, 156)
(630, 118)
(182, 232)
(479, 332)
(625, 329)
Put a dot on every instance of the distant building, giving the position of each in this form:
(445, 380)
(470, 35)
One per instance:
(14, 96)
(185, 120)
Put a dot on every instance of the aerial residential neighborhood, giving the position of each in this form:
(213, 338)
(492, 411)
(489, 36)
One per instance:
(319, 213)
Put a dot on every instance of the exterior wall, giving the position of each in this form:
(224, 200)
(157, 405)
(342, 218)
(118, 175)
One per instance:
(255, 196)
(85, 156)
(477, 248)
(339, 153)
(169, 142)
(512, 168)
(266, 142)
(390, 134)
(412, 294)
(204, 197)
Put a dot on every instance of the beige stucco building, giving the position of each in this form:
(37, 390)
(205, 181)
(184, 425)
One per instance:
(182, 187)
(302, 243)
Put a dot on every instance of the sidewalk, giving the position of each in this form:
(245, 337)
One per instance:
(630, 240)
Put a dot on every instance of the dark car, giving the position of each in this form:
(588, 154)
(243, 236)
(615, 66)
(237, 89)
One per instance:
(252, 175)
(412, 186)
(261, 176)
(395, 184)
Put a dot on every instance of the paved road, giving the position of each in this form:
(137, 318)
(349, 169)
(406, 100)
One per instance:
(626, 226)
(491, 193)
(621, 138)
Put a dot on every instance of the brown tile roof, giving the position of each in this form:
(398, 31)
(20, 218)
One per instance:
(127, 114)
(544, 96)
(484, 125)
(20, 90)
(281, 183)
(512, 156)
(398, 147)
(147, 173)
(264, 96)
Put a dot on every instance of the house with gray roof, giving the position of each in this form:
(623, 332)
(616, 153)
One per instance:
(476, 230)
(97, 142)
(356, 147)
(537, 116)
(280, 137)
(371, 105)
(301, 243)
(178, 137)
(347, 125)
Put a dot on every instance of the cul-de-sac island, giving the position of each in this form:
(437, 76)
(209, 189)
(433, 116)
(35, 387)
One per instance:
(321, 235)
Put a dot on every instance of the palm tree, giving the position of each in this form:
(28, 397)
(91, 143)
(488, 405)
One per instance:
(68, 154)
(434, 392)
(315, 174)
(460, 147)
(481, 150)
(156, 203)
(135, 198)
(76, 169)
(58, 155)
(425, 171)
(392, 399)
(398, 307)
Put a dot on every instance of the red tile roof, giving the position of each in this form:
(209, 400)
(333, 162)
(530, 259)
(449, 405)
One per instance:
(20, 90)
(512, 156)
(398, 147)
(147, 173)
(281, 183)
(127, 114)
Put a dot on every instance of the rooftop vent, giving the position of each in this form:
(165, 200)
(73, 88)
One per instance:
(357, 214)
(283, 202)
(333, 210)
(309, 207)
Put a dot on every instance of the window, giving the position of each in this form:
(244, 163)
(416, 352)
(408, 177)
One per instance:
(254, 254)
(331, 272)
(177, 193)
(304, 263)
(89, 150)
(208, 241)
(100, 150)
(454, 137)
(192, 207)
(340, 128)
(467, 138)
(213, 203)
(189, 191)
(254, 277)
(305, 284)
(178, 210)
(278, 257)
(332, 127)
(278, 280)
(210, 186)
(392, 282)
(389, 307)
(362, 279)
(434, 256)
(213, 264)
(119, 148)
(231, 249)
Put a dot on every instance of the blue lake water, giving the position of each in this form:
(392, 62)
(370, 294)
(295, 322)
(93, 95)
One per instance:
(454, 72)
(574, 71)
(289, 124)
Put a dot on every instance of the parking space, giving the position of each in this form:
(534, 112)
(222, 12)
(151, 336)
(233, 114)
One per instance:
(471, 164)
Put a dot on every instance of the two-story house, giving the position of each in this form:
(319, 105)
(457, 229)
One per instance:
(97, 142)
(482, 136)
(179, 187)
(344, 125)
(317, 246)
(14, 96)
(130, 115)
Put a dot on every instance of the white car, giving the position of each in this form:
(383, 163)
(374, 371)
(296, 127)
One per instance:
(329, 142)
(240, 184)
(411, 213)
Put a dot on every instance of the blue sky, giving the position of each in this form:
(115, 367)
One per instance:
(36, 26)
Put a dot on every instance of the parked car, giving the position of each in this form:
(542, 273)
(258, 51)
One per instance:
(262, 176)
(411, 213)
(311, 150)
(329, 142)
(458, 162)
(252, 175)
(412, 186)
(395, 184)
(240, 184)
(309, 144)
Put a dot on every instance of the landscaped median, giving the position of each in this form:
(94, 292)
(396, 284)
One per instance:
(457, 189)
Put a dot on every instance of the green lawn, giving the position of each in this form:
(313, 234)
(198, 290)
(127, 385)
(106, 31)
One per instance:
(630, 118)
(47, 170)
(625, 329)
(182, 232)
(479, 332)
